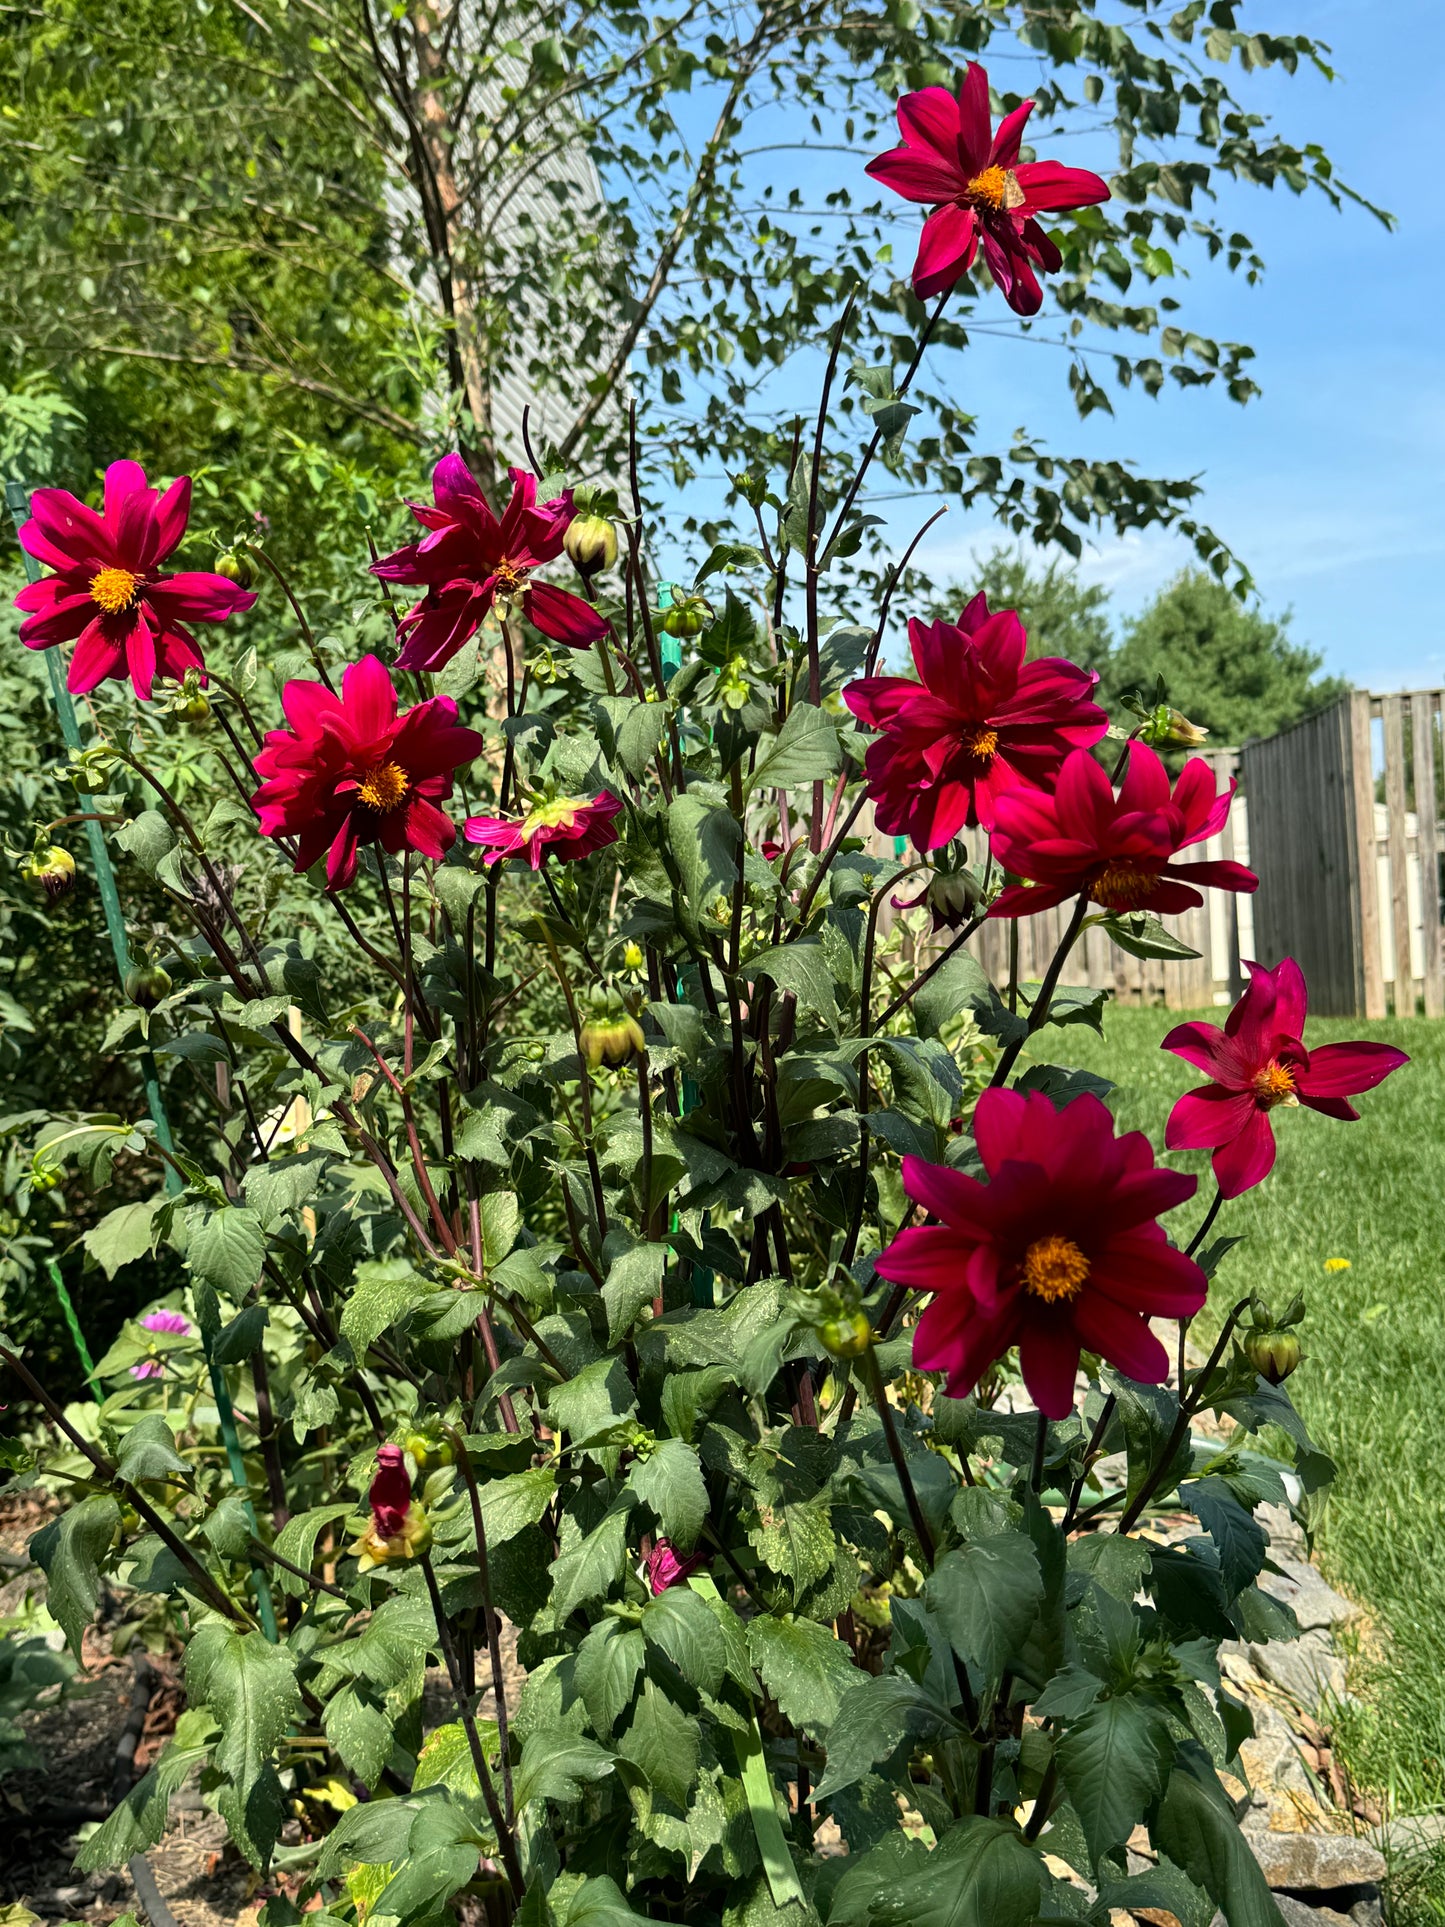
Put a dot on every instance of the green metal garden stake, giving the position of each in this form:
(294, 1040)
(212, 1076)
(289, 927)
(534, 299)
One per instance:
(17, 498)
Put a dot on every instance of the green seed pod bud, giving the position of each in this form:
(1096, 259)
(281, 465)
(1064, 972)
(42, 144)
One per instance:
(1273, 1354)
(591, 544)
(43, 1178)
(847, 1336)
(51, 870)
(146, 985)
(688, 616)
(429, 1453)
(236, 566)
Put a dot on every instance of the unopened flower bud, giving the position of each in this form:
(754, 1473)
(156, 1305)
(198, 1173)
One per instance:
(1167, 727)
(613, 1041)
(847, 1336)
(591, 544)
(632, 957)
(146, 984)
(43, 1177)
(689, 615)
(1273, 1354)
(51, 870)
(428, 1452)
(236, 566)
(666, 1566)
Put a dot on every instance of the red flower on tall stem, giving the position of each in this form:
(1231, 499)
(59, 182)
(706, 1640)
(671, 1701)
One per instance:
(469, 562)
(1058, 1253)
(350, 771)
(1081, 839)
(109, 594)
(980, 721)
(980, 191)
(566, 827)
(1257, 1063)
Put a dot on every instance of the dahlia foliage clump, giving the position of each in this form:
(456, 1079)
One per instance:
(622, 1257)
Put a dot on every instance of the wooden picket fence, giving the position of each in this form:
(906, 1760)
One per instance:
(1349, 867)
(1341, 817)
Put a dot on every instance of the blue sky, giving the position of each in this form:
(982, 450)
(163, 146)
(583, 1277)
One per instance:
(1329, 485)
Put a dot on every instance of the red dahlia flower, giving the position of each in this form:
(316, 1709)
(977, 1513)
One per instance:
(349, 771)
(1258, 1061)
(469, 563)
(109, 589)
(979, 190)
(979, 721)
(1059, 1252)
(667, 1567)
(568, 826)
(1082, 839)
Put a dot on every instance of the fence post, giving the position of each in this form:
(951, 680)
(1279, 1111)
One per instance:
(1369, 965)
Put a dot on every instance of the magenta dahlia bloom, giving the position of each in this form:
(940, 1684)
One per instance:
(159, 1321)
(1258, 1062)
(469, 562)
(350, 771)
(667, 1567)
(1080, 839)
(980, 191)
(566, 827)
(980, 721)
(109, 594)
(390, 1494)
(1058, 1253)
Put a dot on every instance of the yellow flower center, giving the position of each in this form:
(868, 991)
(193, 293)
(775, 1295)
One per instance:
(980, 744)
(995, 187)
(114, 589)
(383, 786)
(1124, 886)
(511, 577)
(1275, 1085)
(562, 810)
(1054, 1268)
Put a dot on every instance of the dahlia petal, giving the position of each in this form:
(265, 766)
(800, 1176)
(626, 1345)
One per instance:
(122, 479)
(1146, 781)
(1247, 1159)
(925, 1257)
(1223, 874)
(953, 1336)
(1049, 1360)
(454, 487)
(341, 857)
(197, 596)
(1027, 899)
(131, 517)
(427, 829)
(878, 700)
(1208, 1117)
(974, 120)
(937, 815)
(173, 512)
(916, 176)
(61, 620)
(1121, 1336)
(99, 655)
(929, 119)
(950, 1195)
(1336, 1107)
(1041, 248)
(1208, 1049)
(1001, 1126)
(1148, 1275)
(309, 707)
(562, 616)
(946, 249)
(441, 624)
(71, 531)
(1343, 1070)
(368, 698)
(1051, 185)
(140, 652)
(1005, 149)
(176, 652)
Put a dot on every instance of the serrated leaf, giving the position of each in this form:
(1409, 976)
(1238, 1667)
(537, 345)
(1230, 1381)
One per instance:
(609, 1661)
(633, 1280)
(250, 1688)
(510, 1505)
(1109, 1758)
(383, 1293)
(226, 1249)
(148, 1451)
(679, 1623)
(296, 1541)
(805, 750)
(1238, 1537)
(669, 1481)
(1196, 1827)
(70, 1551)
(590, 1569)
(123, 1235)
(557, 1763)
(987, 1596)
(805, 1668)
(361, 1730)
(981, 1874)
(663, 1744)
(872, 1719)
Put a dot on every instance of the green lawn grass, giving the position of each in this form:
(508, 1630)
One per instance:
(1373, 1386)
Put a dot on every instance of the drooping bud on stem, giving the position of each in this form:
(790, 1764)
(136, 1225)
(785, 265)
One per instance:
(591, 544)
(51, 869)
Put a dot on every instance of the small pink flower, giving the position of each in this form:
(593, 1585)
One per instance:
(1258, 1062)
(159, 1321)
(567, 827)
(390, 1494)
(665, 1568)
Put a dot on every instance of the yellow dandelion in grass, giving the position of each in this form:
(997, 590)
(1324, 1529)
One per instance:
(1337, 1264)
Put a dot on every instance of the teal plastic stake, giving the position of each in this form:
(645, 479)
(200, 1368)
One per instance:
(17, 499)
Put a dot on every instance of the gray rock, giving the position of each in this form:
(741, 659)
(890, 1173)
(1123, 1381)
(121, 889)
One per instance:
(1415, 1833)
(1315, 1605)
(1286, 1535)
(1316, 1862)
(1308, 1669)
(1297, 1914)
(1272, 1758)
